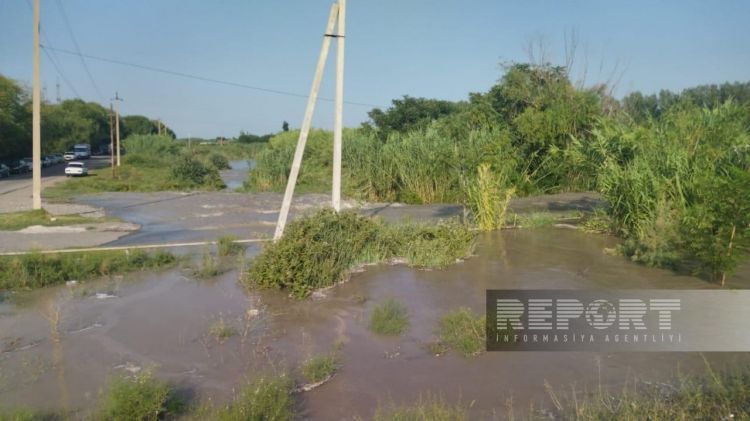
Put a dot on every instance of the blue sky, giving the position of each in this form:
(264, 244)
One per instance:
(440, 49)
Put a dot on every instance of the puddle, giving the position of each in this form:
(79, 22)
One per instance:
(62, 344)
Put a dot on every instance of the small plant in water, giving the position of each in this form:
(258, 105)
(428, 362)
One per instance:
(142, 397)
(462, 331)
(389, 318)
(265, 399)
(320, 367)
(208, 267)
(426, 409)
(221, 331)
(227, 247)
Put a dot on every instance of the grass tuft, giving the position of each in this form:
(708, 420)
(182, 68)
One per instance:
(265, 399)
(463, 332)
(221, 330)
(227, 247)
(389, 318)
(320, 367)
(427, 409)
(19, 220)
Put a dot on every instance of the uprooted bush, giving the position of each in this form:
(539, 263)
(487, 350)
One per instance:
(320, 250)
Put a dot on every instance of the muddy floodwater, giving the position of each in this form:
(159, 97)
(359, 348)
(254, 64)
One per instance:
(237, 174)
(60, 345)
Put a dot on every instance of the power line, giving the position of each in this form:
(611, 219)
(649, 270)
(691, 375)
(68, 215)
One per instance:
(78, 49)
(201, 78)
(53, 58)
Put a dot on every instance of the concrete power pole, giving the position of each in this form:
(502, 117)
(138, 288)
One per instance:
(36, 124)
(111, 139)
(306, 122)
(117, 124)
(339, 106)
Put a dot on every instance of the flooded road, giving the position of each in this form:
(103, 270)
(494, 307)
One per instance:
(60, 345)
(237, 174)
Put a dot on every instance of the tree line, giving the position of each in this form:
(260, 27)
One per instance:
(63, 125)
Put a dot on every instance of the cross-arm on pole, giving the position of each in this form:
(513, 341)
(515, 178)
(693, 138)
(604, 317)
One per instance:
(305, 129)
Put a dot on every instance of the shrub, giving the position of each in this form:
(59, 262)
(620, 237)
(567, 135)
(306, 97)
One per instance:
(220, 162)
(488, 199)
(191, 172)
(389, 318)
(141, 397)
(319, 250)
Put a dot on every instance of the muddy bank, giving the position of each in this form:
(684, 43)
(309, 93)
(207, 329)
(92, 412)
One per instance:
(60, 345)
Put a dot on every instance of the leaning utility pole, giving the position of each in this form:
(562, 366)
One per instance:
(307, 120)
(36, 123)
(339, 106)
(117, 124)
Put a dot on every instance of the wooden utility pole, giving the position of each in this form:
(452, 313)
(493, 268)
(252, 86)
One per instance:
(111, 140)
(306, 122)
(117, 124)
(339, 106)
(36, 123)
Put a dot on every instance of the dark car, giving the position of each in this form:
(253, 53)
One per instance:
(18, 167)
(4, 171)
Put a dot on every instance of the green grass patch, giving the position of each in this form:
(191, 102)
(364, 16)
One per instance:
(265, 399)
(715, 396)
(428, 409)
(464, 332)
(38, 270)
(319, 250)
(227, 246)
(19, 220)
(133, 176)
(141, 397)
(389, 318)
(320, 367)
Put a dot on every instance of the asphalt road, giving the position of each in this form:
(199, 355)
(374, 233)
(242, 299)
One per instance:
(15, 192)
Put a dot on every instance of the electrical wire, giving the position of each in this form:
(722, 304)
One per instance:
(201, 78)
(78, 49)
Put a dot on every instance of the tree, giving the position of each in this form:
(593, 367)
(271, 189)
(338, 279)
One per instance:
(15, 120)
(285, 126)
(410, 113)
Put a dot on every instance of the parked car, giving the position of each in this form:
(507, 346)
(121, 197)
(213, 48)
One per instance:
(46, 162)
(58, 157)
(28, 162)
(69, 156)
(75, 168)
(18, 167)
(4, 171)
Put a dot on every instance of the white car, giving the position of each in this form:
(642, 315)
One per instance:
(76, 168)
(69, 156)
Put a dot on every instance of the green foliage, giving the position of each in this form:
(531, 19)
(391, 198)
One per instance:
(319, 250)
(150, 145)
(426, 409)
(142, 398)
(208, 267)
(190, 172)
(227, 247)
(265, 399)
(409, 114)
(221, 330)
(463, 332)
(320, 367)
(37, 270)
(717, 395)
(488, 199)
(251, 138)
(220, 162)
(389, 318)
